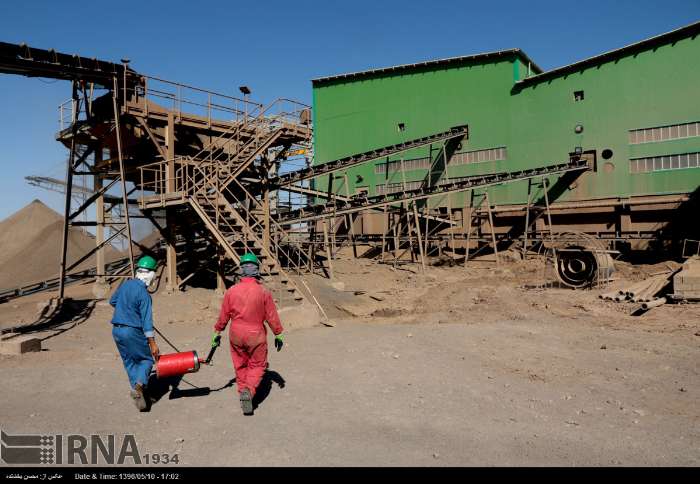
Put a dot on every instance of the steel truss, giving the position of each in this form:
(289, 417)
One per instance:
(360, 203)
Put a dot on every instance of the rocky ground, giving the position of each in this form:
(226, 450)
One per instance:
(456, 366)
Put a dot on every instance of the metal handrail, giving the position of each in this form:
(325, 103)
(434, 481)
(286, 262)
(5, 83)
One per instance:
(263, 118)
(172, 97)
(273, 260)
(255, 201)
(248, 216)
(205, 91)
(286, 108)
(184, 182)
(277, 226)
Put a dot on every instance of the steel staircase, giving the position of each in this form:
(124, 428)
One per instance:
(235, 220)
(239, 146)
(292, 251)
(237, 235)
(258, 145)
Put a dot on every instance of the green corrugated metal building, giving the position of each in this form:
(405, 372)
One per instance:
(634, 111)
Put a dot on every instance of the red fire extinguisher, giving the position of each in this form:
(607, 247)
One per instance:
(177, 364)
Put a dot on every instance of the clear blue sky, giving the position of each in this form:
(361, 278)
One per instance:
(276, 47)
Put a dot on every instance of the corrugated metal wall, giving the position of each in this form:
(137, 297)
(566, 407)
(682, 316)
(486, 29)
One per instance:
(535, 125)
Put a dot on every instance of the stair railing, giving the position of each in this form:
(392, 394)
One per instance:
(278, 114)
(273, 222)
(281, 113)
(250, 222)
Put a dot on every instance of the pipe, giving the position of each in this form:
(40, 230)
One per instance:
(654, 304)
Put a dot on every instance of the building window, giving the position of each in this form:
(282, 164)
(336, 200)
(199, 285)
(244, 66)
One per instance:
(454, 179)
(464, 158)
(479, 156)
(408, 165)
(578, 96)
(664, 163)
(397, 187)
(664, 133)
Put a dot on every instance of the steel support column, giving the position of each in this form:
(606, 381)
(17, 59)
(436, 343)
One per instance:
(122, 174)
(418, 237)
(69, 185)
(266, 219)
(493, 229)
(170, 251)
(100, 218)
(326, 243)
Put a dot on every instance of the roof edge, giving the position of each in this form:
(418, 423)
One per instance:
(677, 34)
(449, 60)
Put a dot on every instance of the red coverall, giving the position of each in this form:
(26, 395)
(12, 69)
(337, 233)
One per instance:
(248, 305)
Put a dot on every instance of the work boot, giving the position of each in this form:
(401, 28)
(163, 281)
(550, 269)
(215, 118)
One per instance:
(139, 397)
(246, 402)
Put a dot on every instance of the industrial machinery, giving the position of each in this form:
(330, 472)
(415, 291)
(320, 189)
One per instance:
(209, 165)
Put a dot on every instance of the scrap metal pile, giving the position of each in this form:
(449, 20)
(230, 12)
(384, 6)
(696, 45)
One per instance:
(648, 291)
(679, 285)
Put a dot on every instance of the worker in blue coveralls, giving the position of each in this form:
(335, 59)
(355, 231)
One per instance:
(132, 328)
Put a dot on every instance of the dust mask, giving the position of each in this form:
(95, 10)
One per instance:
(146, 276)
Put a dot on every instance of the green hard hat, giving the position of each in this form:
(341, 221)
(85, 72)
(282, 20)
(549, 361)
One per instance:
(250, 258)
(147, 262)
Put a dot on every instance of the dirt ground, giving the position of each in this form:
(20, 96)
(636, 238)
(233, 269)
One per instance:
(453, 367)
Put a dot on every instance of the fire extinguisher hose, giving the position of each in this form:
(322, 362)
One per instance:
(166, 339)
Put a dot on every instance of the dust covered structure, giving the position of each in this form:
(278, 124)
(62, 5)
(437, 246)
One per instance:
(440, 157)
(194, 162)
(633, 114)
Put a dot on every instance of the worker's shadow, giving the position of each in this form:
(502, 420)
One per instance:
(263, 391)
(159, 387)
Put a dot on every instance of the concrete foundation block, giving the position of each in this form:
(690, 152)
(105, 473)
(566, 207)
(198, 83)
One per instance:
(14, 344)
(686, 283)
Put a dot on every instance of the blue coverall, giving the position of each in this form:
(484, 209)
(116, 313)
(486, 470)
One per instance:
(132, 324)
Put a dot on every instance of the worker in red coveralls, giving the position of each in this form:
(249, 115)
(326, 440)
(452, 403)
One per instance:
(248, 305)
